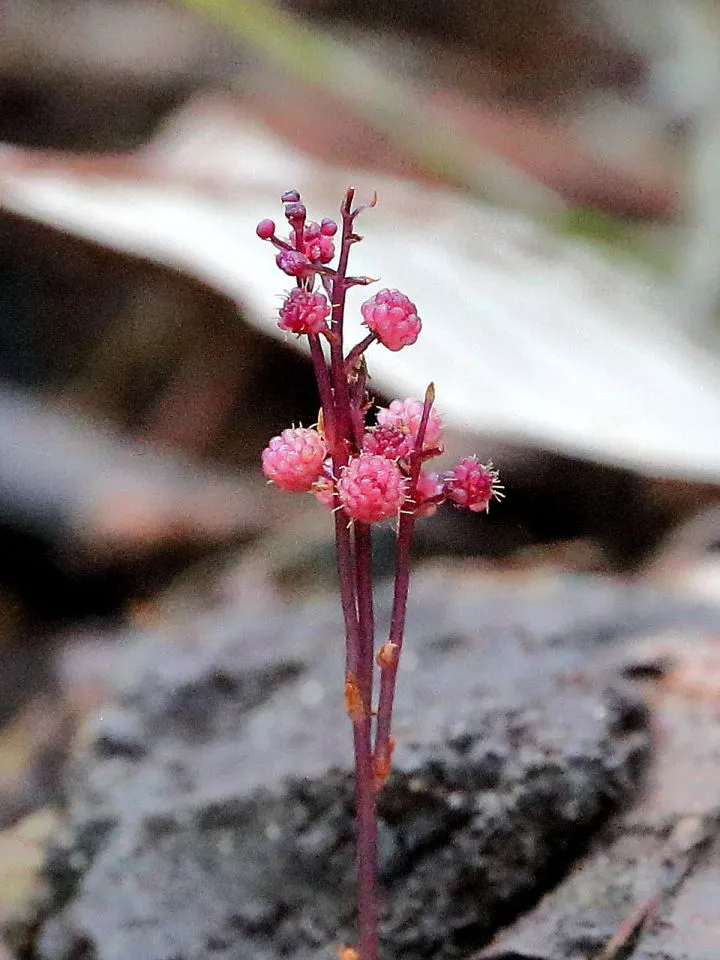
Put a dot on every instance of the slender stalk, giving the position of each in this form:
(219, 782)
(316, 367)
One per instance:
(348, 597)
(355, 570)
(388, 673)
(366, 616)
(403, 544)
(339, 291)
(365, 807)
(359, 349)
(356, 596)
(365, 840)
(322, 377)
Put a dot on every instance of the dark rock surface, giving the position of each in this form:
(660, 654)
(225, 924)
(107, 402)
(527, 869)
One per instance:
(649, 885)
(211, 800)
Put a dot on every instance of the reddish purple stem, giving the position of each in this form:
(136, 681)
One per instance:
(365, 840)
(356, 595)
(322, 376)
(406, 526)
(339, 292)
(341, 409)
(388, 675)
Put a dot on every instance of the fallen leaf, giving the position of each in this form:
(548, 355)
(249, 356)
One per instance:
(527, 336)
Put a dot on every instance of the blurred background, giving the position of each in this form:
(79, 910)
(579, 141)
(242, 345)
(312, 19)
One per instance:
(549, 197)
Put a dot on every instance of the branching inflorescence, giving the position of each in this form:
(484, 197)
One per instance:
(365, 473)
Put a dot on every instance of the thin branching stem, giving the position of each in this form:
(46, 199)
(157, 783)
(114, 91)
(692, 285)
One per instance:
(354, 558)
(388, 674)
(339, 292)
(322, 376)
(403, 544)
(366, 616)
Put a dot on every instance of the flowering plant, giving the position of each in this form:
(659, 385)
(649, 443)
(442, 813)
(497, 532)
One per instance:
(365, 472)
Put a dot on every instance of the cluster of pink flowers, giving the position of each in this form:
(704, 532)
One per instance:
(375, 484)
(376, 480)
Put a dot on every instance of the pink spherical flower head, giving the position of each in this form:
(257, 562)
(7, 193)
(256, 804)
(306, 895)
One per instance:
(388, 441)
(371, 488)
(473, 485)
(405, 415)
(428, 492)
(392, 318)
(304, 312)
(294, 460)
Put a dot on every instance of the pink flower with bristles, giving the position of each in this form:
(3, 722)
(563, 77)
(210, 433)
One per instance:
(295, 459)
(371, 488)
(473, 485)
(405, 416)
(304, 312)
(393, 318)
(428, 493)
(324, 486)
(389, 441)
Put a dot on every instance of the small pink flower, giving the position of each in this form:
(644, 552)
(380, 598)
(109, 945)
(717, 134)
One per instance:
(294, 460)
(371, 488)
(405, 415)
(318, 244)
(427, 489)
(294, 264)
(304, 312)
(393, 318)
(388, 441)
(324, 486)
(473, 485)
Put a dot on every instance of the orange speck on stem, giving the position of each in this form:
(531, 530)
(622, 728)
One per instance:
(383, 765)
(348, 953)
(353, 699)
(387, 655)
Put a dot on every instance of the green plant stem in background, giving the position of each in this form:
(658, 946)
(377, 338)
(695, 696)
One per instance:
(440, 147)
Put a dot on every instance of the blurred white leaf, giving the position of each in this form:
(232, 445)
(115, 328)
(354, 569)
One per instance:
(527, 336)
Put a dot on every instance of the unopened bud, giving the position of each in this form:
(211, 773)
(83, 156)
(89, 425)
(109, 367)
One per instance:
(294, 264)
(265, 229)
(295, 211)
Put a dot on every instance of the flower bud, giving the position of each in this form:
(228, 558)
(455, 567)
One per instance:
(265, 229)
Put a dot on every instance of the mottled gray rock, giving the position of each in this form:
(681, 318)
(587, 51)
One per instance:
(211, 802)
(651, 877)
